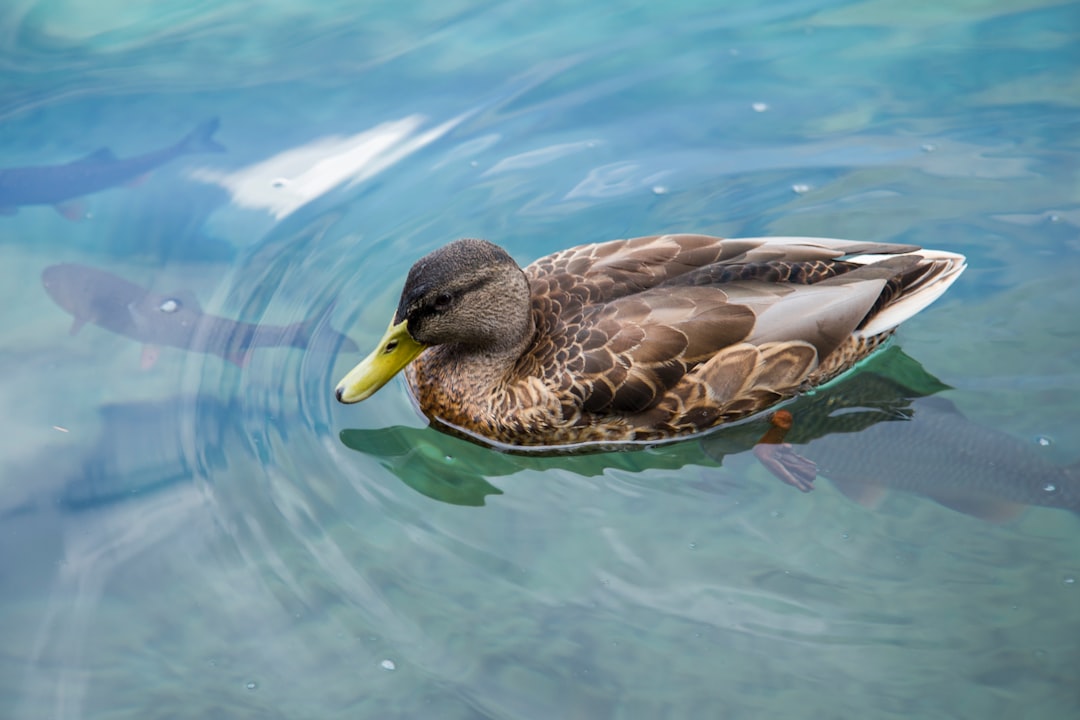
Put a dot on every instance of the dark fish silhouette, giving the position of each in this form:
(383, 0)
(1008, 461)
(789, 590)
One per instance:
(882, 430)
(940, 454)
(58, 185)
(142, 447)
(176, 320)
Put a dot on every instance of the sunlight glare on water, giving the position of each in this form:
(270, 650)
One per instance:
(200, 530)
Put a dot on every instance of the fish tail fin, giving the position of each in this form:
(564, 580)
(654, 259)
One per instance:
(316, 333)
(306, 331)
(201, 140)
(239, 358)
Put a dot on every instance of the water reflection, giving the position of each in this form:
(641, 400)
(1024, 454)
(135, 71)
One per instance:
(456, 471)
(291, 179)
(879, 429)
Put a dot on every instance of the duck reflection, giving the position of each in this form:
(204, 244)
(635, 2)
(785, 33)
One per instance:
(879, 429)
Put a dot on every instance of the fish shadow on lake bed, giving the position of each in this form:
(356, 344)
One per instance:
(176, 319)
(879, 429)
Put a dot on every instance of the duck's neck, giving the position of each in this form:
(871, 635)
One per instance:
(489, 367)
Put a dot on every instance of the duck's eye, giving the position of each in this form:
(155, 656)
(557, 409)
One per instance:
(443, 300)
(169, 306)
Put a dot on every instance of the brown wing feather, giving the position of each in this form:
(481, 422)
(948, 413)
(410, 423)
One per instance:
(736, 382)
(680, 330)
(620, 267)
(631, 351)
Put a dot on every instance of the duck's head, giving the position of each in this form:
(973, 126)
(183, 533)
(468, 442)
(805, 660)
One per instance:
(469, 293)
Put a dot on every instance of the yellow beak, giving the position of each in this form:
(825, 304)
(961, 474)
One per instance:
(396, 350)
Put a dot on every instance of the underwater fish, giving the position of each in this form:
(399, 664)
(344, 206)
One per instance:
(176, 320)
(59, 185)
(940, 454)
(140, 448)
(873, 433)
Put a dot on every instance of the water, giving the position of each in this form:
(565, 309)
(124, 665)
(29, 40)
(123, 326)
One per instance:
(200, 539)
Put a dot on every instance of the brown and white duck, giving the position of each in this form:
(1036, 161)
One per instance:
(640, 340)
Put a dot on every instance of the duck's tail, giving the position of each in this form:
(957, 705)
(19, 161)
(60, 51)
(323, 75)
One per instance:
(929, 277)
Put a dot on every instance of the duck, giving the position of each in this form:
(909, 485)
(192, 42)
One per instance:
(639, 340)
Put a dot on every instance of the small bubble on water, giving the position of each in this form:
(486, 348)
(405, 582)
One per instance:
(252, 685)
(693, 546)
(1069, 580)
(1055, 218)
(1049, 487)
(1044, 440)
(388, 665)
(659, 190)
(800, 188)
(929, 147)
(760, 107)
(776, 514)
(844, 536)
(473, 163)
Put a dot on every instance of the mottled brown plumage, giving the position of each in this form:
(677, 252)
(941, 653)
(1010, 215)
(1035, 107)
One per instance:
(648, 338)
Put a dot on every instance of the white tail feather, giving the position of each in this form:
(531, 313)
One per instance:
(946, 267)
(942, 269)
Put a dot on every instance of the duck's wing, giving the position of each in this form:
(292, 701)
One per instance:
(760, 332)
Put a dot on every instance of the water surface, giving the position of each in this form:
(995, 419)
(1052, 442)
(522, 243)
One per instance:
(200, 539)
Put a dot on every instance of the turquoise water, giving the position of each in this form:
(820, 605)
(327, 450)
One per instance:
(201, 539)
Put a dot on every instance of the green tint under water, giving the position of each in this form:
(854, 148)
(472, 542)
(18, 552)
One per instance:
(209, 541)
